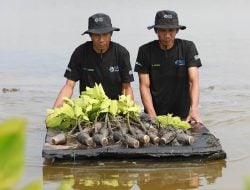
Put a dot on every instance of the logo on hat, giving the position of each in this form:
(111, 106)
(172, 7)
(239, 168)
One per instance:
(100, 23)
(100, 19)
(168, 16)
(166, 19)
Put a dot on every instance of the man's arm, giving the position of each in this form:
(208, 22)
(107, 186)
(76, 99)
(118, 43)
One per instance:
(146, 94)
(66, 91)
(194, 95)
(127, 90)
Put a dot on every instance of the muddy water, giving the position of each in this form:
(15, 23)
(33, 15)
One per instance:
(37, 39)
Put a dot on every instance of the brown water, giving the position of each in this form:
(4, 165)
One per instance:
(37, 39)
(137, 175)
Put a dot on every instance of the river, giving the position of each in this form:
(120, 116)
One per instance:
(37, 38)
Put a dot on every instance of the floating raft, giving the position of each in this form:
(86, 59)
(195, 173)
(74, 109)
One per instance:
(205, 147)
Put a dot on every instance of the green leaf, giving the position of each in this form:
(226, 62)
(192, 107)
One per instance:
(133, 109)
(58, 111)
(68, 101)
(68, 110)
(169, 120)
(53, 121)
(89, 108)
(78, 111)
(105, 104)
(92, 116)
(127, 107)
(85, 117)
(50, 111)
(87, 99)
(97, 92)
(11, 152)
(68, 123)
(113, 107)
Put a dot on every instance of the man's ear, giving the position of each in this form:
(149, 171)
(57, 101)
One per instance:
(91, 36)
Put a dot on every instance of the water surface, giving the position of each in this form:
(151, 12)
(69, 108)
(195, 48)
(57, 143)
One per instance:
(37, 39)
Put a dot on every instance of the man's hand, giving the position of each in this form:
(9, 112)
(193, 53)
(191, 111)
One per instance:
(194, 116)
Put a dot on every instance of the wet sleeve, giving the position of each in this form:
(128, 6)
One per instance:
(141, 65)
(74, 67)
(193, 56)
(126, 69)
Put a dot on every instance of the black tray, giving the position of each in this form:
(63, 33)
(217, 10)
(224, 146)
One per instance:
(205, 147)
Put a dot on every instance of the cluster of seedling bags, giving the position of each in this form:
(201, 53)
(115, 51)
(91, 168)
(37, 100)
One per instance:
(94, 120)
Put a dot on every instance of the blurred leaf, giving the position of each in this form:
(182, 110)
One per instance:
(12, 152)
(36, 185)
(247, 187)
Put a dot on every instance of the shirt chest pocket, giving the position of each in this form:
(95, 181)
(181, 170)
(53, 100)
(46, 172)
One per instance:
(89, 76)
(168, 71)
(181, 69)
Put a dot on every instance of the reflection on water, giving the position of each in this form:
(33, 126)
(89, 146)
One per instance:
(135, 175)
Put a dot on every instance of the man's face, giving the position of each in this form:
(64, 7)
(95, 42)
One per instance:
(101, 42)
(166, 37)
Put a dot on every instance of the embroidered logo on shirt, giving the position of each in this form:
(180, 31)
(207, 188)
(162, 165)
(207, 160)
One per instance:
(88, 69)
(180, 62)
(156, 65)
(114, 69)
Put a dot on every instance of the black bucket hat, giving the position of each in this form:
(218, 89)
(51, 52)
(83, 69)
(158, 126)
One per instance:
(100, 23)
(166, 19)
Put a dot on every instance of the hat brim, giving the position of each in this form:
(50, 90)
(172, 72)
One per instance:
(167, 27)
(101, 30)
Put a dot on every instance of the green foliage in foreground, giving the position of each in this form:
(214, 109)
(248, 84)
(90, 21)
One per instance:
(12, 137)
(169, 120)
(247, 187)
(36, 185)
(12, 152)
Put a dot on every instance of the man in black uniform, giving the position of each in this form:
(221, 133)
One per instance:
(168, 71)
(99, 61)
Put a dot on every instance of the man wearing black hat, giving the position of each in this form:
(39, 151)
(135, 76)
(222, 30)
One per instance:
(168, 71)
(99, 61)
